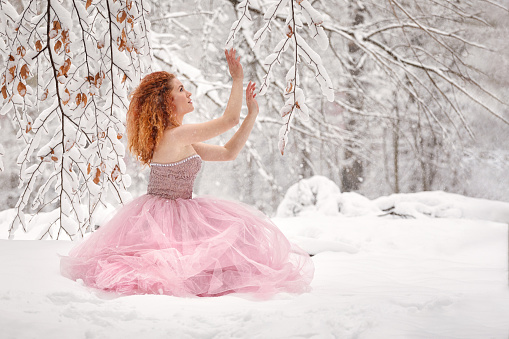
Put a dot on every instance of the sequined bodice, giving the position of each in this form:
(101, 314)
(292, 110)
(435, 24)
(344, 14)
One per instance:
(174, 180)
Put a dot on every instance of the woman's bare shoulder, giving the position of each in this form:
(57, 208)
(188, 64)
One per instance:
(169, 150)
(170, 135)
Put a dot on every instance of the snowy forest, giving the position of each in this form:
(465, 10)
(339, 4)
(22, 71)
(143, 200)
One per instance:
(380, 97)
(380, 149)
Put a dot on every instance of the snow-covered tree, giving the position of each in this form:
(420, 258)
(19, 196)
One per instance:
(394, 69)
(66, 69)
(402, 69)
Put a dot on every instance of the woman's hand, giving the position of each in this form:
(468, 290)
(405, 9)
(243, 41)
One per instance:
(252, 104)
(234, 65)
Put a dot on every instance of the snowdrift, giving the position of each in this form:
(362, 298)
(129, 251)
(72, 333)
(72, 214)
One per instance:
(422, 265)
(319, 194)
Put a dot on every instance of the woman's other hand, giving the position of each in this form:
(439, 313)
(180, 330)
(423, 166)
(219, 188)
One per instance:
(234, 65)
(252, 104)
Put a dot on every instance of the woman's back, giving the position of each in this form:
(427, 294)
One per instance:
(174, 180)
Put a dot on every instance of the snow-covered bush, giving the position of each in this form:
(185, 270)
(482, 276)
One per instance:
(316, 194)
(440, 204)
(321, 195)
(353, 204)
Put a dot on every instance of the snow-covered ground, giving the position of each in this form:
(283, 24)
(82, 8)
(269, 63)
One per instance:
(441, 271)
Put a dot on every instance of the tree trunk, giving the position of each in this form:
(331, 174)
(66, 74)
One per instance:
(395, 143)
(353, 168)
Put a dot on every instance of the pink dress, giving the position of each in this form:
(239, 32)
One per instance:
(166, 242)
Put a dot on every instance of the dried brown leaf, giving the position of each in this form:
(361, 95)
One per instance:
(12, 71)
(58, 45)
(290, 31)
(115, 173)
(24, 72)
(67, 65)
(21, 51)
(56, 25)
(69, 97)
(65, 35)
(44, 95)
(22, 90)
(84, 99)
(121, 16)
(97, 175)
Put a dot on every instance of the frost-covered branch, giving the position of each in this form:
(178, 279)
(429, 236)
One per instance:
(245, 17)
(69, 68)
(439, 72)
(299, 13)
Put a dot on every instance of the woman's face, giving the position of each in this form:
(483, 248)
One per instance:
(181, 98)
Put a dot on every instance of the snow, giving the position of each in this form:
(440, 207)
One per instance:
(426, 276)
(442, 204)
(319, 194)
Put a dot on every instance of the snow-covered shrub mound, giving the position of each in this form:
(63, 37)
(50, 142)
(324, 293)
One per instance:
(321, 195)
(440, 204)
(316, 194)
(353, 204)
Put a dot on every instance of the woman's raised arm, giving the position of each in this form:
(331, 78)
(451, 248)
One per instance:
(233, 147)
(192, 133)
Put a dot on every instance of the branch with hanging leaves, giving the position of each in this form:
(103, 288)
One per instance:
(64, 82)
(300, 12)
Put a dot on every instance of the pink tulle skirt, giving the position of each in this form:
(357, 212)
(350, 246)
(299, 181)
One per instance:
(189, 247)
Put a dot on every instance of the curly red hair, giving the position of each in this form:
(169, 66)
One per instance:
(149, 114)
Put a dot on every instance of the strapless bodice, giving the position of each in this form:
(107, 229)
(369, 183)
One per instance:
(174, 180)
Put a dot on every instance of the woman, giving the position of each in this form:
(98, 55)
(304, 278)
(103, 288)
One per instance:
(166, 242)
